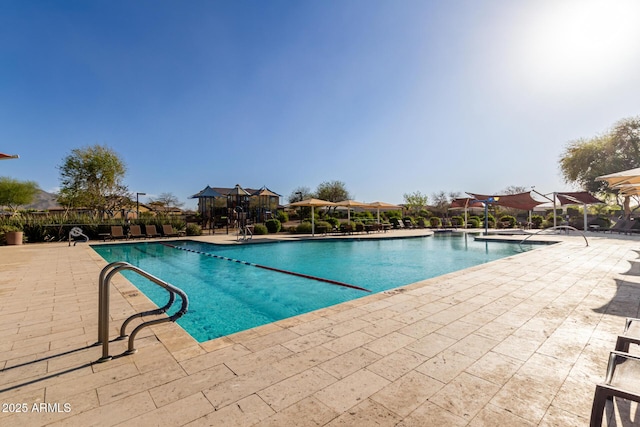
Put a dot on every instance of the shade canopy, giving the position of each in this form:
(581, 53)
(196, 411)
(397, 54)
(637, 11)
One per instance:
(351, 204)
(522, 201)
(383, 205)
(312, 203)
(378, 206)
(465, 203)
(630, 176)
(8, 156)
(577, 198)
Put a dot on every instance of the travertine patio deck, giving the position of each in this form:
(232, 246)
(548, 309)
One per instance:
(520, 341)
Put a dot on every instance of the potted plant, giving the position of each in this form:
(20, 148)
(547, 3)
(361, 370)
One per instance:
(13, 235)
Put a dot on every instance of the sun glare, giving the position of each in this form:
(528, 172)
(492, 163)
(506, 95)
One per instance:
(579, 44)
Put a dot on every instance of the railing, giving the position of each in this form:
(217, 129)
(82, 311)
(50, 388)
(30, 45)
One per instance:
(244, 233)
(104, 282)
(557, 227)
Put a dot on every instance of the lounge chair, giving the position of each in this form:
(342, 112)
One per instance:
(168, 231)
(151, 231)
(621, 226)
(117, 232)
(135, 232)
(630, 335)
(622, 381)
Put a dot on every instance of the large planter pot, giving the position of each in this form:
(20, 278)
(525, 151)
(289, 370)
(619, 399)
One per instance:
(14, 237)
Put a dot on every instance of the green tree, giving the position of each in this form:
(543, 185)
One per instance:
(14, 193)
(616, 150)
(415, 201)
(92, 177)
(333, 191)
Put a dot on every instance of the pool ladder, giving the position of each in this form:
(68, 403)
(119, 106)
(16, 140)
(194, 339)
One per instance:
(104, 282)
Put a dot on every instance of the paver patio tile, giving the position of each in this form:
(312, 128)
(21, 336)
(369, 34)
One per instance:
(111, 414)
(242, 386)
(245, 412)
(397, 364)
(349, 391)
(429, 414)
(174, 414)
(431, 344)
(258, 360)
(465, 396)
(309, 412)
(348, 342)
(389, 343)
(407, 393)
(307, 359)
(296, 388)
(214, 358)
(184, 386)
(139, 383)
(350, 362)
(445, 366)
(491, 416)
(495, 367)
(367, 413)
(308, 341)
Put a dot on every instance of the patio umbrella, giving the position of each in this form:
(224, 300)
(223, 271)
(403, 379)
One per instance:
(382, 205)
(312, 203)
(351, 204)
(8, 156)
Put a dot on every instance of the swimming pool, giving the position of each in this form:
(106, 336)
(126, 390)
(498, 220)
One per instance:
(227, 297)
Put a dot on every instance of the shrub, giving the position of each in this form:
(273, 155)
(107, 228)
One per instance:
(473, 222)
(457, 221)
(304, 228)
(536, 221)
(273, 225)
(282, 216)
(435, 222)
(194, 230)
(260, 229)
(392, 214)
(508, 221)
(422, 222)
(334, 222)
(323, 227)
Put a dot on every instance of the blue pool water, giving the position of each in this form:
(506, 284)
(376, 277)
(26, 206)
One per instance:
(227, 297)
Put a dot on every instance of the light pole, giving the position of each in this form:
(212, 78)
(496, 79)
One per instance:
(138, 204)
(486, 212)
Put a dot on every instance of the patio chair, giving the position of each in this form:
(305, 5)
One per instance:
(151, 231)
(630, 334)
(168, 231)
(117, 232)
(135, 232)
(622, 381)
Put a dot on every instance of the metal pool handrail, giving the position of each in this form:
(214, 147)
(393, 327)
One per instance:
(104, 281)
(566, 227)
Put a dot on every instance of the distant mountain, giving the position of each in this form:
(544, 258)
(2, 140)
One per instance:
(43, 201)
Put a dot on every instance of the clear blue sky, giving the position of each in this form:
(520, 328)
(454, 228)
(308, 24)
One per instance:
(390, 97)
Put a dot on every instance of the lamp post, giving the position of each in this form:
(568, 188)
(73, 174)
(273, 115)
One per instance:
(486, 212)
(138, 204)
